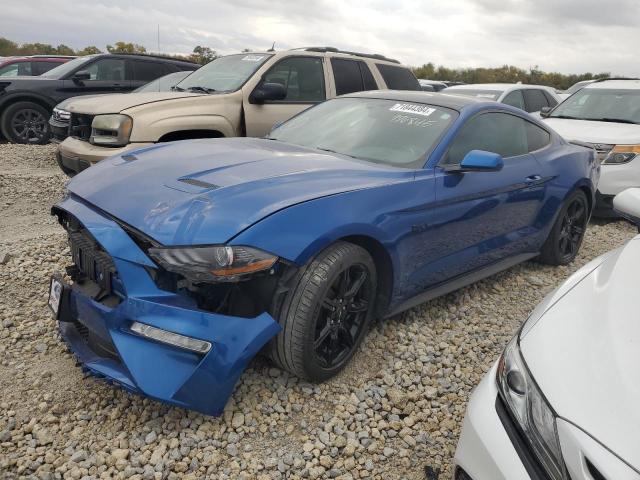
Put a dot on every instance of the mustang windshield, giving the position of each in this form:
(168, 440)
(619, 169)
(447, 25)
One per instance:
(392, 132)
(599, 104)
(224, 74)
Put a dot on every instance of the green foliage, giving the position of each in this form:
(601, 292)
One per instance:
(90, 50)
(7, 47)
(203, 55)
(504, 74)
(126, 47)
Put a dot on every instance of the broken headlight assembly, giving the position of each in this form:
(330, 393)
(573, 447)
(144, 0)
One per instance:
(111, 130)
(218, 263)
(530, 410)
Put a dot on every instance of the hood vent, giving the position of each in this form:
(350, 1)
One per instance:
(198, 183)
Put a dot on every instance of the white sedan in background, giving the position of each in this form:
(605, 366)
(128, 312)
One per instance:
(563, 401)
(530, 98)
(605, 114)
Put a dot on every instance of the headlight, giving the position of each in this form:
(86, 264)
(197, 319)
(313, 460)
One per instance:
(60, 114)
(530, 409)
(622, 154)
(111, 130)
(213, 264)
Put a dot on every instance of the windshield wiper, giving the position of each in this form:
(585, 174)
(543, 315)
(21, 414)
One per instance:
(176, 88)
(612, 120)
(201, 89)
(333, 151)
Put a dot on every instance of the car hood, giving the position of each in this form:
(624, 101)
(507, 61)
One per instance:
(584, 353)
(117, 102)
(595, 132)
(207, 191)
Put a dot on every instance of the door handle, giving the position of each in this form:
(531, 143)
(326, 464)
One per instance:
(533, 178)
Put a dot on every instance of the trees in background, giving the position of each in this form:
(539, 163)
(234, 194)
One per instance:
(504, 74)
(203, 55)
(126, 47)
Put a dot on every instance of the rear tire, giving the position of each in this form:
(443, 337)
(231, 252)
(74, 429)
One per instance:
(565, 238)
(26, 122)
(327, 313)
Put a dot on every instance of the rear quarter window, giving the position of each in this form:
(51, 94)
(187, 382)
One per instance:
(398, 78)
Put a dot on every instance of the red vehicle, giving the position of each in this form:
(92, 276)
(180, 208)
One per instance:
(32, 65)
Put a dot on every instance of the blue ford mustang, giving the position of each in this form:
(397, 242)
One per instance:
(191, 257)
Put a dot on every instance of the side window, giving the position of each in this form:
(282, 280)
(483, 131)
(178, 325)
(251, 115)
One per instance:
(492, 132)
(515, 99)
(367, 77)
(39, 68)
(550, 100)
(9, 70)
(347, 76)
(537, 137)
(107, 69)
(398, 78)
(303, 77)
(147, 71)
(534, 99)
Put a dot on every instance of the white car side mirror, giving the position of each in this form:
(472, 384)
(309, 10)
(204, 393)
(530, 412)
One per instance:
(627, 203)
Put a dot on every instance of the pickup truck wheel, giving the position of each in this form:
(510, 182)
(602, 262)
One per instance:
(26, 122)
(327, 313)
(565, 238)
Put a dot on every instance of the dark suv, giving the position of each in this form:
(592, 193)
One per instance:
(27, 102)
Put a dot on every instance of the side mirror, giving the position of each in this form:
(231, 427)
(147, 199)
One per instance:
(545, 111)
(81, 75)
(627, 204)
(481, 161)
(268, 91)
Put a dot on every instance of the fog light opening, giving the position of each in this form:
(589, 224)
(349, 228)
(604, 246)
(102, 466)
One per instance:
(175, 339)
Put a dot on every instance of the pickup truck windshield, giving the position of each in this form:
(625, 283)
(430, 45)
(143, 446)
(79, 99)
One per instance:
(600, 104)
(392, 132)
(224, 74)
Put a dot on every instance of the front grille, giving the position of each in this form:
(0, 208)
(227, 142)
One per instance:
(80, 126)
(92, 263)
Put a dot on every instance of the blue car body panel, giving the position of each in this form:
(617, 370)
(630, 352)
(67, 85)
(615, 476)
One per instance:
(155, 369)
(430, 225)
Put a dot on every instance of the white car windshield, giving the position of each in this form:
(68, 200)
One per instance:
(600, 104)
(476, 93)
(224, 74)
(391, 132)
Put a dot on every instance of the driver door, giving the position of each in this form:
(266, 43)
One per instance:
(304, 80)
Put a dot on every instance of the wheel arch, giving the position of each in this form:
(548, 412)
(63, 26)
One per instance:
(384, 268)
(44, 102)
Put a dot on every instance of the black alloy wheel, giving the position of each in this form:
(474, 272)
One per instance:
(26, 122)
(342, 316)
(564, 240)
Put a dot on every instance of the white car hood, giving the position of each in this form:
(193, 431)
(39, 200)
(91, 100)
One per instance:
(584, 353)
(595, 132)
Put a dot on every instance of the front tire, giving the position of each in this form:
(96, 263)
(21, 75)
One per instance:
(565, 238)
(26, 122)
(327, 314)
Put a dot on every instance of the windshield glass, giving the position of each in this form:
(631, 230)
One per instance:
(577, 86)
(601, 104)
(468, 92)
(163, 84)
(224, 74)
(382, 131)
(66, 68)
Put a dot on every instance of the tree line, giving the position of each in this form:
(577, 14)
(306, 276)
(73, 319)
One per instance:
(202, 55)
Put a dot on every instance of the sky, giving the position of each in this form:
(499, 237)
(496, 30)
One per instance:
(568, 36)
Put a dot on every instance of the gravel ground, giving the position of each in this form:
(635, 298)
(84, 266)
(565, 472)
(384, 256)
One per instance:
(394, 413)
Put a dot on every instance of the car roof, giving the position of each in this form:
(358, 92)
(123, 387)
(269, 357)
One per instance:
(447, 100)
(630, 84)
(497, 86)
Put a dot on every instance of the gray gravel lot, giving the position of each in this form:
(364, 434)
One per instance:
(396, 410)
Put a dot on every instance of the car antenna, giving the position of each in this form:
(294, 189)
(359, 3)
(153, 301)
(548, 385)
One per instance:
(273, 47)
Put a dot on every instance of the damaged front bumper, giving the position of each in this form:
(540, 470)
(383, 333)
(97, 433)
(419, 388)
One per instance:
(100, 334)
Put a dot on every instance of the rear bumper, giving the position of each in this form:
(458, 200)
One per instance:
(101, 338)
(76, 155)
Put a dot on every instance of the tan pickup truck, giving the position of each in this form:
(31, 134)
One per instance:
(235, 95)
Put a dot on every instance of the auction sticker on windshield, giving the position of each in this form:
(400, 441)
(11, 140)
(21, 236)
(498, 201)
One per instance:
(413, 108)
(55, 294)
